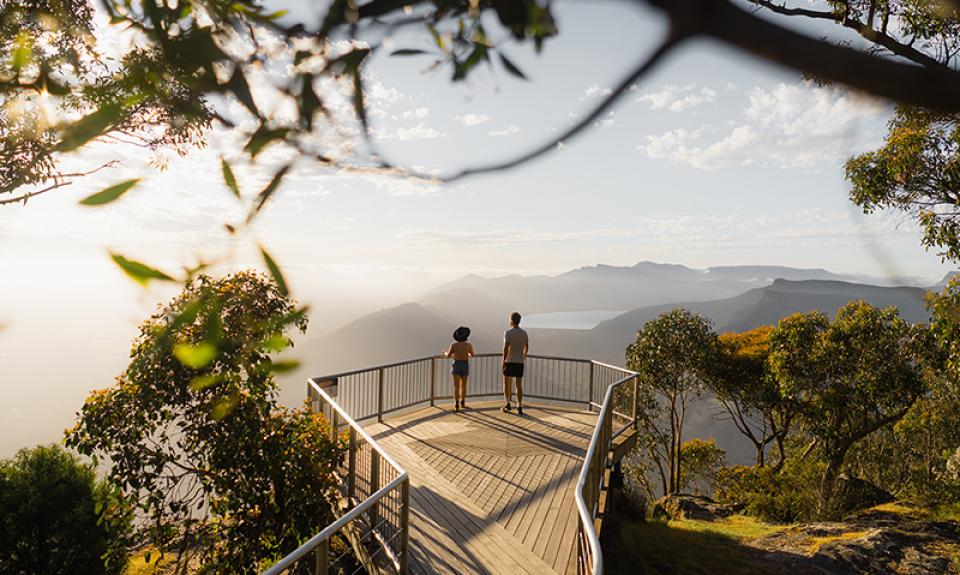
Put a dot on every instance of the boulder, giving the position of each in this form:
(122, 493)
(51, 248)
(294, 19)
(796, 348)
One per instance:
(876, 542)
(854, 494)
(683, 506)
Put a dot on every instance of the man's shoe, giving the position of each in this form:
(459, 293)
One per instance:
(519, 410)
(505, 408)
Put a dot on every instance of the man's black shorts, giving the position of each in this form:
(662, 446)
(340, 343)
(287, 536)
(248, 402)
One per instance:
(513, 369)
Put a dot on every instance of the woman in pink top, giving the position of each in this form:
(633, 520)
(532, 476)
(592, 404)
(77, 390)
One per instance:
(461, 351)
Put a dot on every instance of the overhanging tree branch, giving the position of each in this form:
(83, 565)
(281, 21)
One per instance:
(671, 42)
(865, 30)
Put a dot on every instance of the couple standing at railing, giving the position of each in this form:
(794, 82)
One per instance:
(516, 344)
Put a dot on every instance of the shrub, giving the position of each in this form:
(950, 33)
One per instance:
(223, 476)
(787, 496)
(57, 518)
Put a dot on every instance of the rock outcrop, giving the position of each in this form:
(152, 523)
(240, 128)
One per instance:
(870, 543)
(683, 506)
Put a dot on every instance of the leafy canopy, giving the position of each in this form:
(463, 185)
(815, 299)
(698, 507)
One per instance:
(195, 435)
(672, 355)
(852, 376)
(57, 518)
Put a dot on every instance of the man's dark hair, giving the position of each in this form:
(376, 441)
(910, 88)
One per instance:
(515, 318)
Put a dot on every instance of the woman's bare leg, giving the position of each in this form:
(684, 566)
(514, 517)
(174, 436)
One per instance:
(463, 389)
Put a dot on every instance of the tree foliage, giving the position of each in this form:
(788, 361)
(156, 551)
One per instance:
(702, 460)
(57, 518)
(852, 376)
(750, 394)
(672, 355)
(196, 438)
(916, 171)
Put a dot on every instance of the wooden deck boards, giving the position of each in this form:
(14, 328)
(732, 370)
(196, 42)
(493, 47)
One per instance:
(490, 492)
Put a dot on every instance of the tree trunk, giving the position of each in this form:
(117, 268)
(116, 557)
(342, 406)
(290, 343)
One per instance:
(828, 483)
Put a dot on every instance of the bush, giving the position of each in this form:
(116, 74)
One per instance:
(56, 517)
(223, 476)
(788, 496)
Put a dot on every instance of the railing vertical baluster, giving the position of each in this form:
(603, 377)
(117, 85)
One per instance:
(380, 395)
(352, 466)
(404, 526)
(374, 486)
(433, 382)
(633, 413)
(322, 558)
(590, 392)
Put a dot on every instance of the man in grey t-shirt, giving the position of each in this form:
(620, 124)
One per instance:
(515, 347)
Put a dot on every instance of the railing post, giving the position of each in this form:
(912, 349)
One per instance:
(380, 395)
(404, 525)
(323, 558)
(590, 392)
(352, 466)
(433, 381)
(636, 384)
(374, 486)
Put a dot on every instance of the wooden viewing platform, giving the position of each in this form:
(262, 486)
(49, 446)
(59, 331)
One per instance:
(425, 489)
(491, 492)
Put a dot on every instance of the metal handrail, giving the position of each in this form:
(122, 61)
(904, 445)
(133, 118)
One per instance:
(591, 478)
(589, 485)
(402, 482)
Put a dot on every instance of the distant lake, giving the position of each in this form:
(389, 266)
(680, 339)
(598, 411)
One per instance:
(568, 319)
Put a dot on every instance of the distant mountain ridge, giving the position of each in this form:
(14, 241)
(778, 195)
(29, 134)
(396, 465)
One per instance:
(744, 301)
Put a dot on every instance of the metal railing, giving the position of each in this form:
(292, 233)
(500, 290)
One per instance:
(619, 397)
(376, 490)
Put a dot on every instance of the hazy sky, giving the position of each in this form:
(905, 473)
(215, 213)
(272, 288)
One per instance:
(715, 159)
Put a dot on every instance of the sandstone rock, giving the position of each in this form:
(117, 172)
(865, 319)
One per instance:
(870, 543)
(854, 494)
(683, 506)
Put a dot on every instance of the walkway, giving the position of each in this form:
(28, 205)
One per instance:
(490, 492)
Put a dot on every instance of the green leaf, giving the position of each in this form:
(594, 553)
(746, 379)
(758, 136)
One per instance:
(262, 138)
(274, 272)
(229, 178)
(88, 127)
(139, 272)
(268, 191)
(283, 366)
(110, 194)
(195, 356)
(202, 382)
(241, 89)
(224, 406)
(511, 67)
(23, 51)
(276, 343)
(408, 52)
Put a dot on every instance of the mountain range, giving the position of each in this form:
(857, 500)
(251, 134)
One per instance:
(734, 298)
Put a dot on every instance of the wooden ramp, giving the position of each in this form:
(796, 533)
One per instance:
(490, 492)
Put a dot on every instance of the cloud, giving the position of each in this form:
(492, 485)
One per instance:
(471, 119)
(417, 114)
(394, 184)
(800, 228)
(593, 91)
(678, 98)
(508, 131)
(791, 126)
(418, 132)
